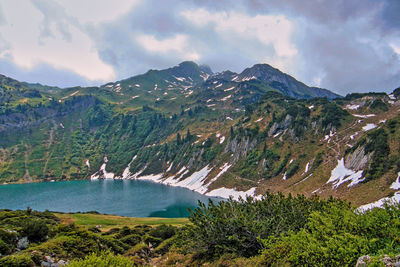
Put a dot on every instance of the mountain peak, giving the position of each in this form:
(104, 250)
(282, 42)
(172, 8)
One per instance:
(282, 82)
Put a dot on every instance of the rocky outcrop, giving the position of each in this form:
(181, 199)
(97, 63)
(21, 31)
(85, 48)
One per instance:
(281, 126)
(240, 147)
(357, 160)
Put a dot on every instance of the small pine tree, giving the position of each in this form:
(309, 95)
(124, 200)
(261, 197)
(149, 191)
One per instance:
(188, 136)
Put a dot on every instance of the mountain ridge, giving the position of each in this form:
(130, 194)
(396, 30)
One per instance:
(215, 136)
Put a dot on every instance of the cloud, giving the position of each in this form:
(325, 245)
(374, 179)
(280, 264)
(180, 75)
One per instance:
(177, 43)
(53, 33)
(340, 45)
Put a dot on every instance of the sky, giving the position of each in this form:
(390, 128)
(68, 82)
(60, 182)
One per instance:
(342, 45)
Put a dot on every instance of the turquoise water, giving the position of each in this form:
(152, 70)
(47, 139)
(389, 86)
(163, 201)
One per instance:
(120, 197)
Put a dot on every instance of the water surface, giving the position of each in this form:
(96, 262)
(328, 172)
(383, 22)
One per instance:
(133, 198)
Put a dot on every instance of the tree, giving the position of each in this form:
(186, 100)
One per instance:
(178, 139)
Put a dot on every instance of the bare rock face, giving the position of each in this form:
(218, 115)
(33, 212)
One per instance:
(278, 127)
(240, 148)
(357, 160)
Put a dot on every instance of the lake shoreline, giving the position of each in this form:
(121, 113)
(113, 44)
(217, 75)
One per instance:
(130, 198)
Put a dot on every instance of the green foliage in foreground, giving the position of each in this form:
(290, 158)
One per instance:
(237, 226)
(105, 259)
(277, 230)
(293, 231)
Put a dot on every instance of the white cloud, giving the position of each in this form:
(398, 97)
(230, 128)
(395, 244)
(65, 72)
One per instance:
(53, 33)
(179, 44)
(273, 30)
(97, 11)
(396, 47)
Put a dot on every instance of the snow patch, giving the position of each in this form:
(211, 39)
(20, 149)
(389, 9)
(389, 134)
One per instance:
(229, 118)
(136, 96)
(222, 139)
(369, 126)
(311, 107)
(329, 136)
(151, 177)
(306, 170)
(229, 89)
(364, 116)
(194, 182)
(353, 135)
(396, 184)
(87, 163)
(126, 173)
(352, 107)
(381, 202)
(229, 192)
(249, 78)
(226, 98)
(277, 134)
(61, 125)
(340, 174)
(102, 173)
(181, 170)
(260, 119)
(181, 79)
(170, 167)
(223, 169)
(204, 76)
(315, 191)
(391, 96)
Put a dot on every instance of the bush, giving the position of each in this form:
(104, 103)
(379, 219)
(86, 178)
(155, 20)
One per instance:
(104, 259)
(163, 231)
(17, 261)
(4, 249)
(35, 230)
(236, 226)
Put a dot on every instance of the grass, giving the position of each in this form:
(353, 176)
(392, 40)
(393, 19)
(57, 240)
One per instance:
(111, 221)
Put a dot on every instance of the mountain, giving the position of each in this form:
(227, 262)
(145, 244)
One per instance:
(216, 133)
(284, 83)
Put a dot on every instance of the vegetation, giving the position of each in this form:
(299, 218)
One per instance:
(277, 230)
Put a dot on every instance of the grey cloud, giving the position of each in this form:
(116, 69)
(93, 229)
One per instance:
(2, 17)
(53, 13)
(348, 64)
(390, 15)
(45, 74)
(345, 42)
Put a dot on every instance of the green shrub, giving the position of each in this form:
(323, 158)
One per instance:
(35, 230)
(132, 239)
(17, 261)
(236, 226)
(163, 231)
(104, 259)
(4, 248)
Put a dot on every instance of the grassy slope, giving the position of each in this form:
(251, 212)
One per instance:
(111, 221)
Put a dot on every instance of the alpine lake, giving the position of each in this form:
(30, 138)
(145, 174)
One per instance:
(132, 198)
